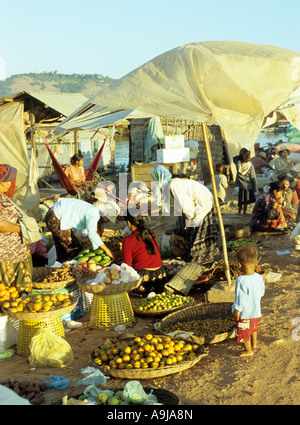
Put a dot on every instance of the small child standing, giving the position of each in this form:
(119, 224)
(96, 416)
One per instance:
(221, 183)
(245, 180)
(249, 288)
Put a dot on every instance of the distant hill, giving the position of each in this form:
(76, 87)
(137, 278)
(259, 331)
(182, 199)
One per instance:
(87, 84)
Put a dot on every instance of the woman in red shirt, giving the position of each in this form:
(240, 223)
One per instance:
(141, 252)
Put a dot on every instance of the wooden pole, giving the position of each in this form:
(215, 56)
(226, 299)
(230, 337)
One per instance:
(211, 169)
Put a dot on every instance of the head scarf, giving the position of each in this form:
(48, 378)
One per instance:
(161, 175)
(8, 174)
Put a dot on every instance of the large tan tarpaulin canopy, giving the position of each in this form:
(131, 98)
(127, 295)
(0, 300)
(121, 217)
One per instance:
(235, 85)
(14, 152)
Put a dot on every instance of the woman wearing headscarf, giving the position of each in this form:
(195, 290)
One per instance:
(15, 257)
(196, 223)
(70, 213)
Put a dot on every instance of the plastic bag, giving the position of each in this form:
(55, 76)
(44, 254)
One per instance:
(165, 246)
(49, 350)
(295, 235)
(58, 382)
(134, 392)
(93, 376)
(271, 277)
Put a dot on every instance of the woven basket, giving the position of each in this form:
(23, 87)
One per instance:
(107, 289)
(164, 397)
(161, 313)
(40, 273)
(151, 373)
(109, 311)
(200, 312)
(43, 315)
(185, 278)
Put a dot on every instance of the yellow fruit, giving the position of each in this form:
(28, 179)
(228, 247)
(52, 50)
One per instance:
(148, 337)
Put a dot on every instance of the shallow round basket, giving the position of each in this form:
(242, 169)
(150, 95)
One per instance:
(151, 373)
(40, 273)
(43, 315)
(198, 313)
(160, 313)
(164, 397)
(111, 289)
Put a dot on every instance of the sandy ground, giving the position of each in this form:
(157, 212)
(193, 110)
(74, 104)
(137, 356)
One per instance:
(270, 377)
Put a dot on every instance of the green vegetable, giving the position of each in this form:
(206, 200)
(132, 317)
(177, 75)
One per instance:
(97, 258)
(102, 398)
(83, 259)
(113, 401)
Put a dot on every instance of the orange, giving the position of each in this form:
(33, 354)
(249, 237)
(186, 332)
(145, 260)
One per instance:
(60, 297)
(126, 358)
(148, 337)
(2, 293)
(37, 306)
(2, 287)
(159, 347)
(147, 347)
(127, 350)
(6, 304)
(12, 289)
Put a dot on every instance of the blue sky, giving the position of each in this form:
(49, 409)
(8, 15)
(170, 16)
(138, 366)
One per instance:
(114, 37)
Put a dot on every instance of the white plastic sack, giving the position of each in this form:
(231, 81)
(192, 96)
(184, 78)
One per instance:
(295, 235)
(52, 256)
(194, 148)
(8, 332)
(165, 246)
(271, 277)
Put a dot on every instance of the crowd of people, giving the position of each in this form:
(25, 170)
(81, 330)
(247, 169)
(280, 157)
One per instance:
(194, 207)
(196, 226)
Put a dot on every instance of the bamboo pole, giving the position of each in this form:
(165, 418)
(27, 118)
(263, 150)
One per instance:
(211, 169)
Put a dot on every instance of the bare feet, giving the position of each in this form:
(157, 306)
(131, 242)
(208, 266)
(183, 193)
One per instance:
(246, 354)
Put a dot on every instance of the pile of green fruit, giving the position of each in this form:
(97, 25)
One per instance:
(98, 256)
(114, 398)
(161, 302)
(239, 242)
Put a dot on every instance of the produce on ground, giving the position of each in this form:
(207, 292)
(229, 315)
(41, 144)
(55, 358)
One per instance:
(7, 293)
(37, 303)
(207, 328)
(147, 352)
(162, 302)
(239, 242)
(32, 391)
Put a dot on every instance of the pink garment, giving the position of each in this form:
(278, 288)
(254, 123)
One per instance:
(38, 248)
(259, 163)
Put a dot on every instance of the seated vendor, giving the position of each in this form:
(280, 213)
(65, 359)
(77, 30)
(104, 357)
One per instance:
(75, 171)
(267, 212)
(141, 252)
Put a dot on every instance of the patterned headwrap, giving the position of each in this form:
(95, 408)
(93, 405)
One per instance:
(8, 174)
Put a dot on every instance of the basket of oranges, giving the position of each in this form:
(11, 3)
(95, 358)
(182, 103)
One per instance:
(147, 357)
(7, 293)
(39, 307)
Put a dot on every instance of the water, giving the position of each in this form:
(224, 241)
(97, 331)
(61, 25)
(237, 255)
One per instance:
(265, 138)
(122, 152)
(122, 146)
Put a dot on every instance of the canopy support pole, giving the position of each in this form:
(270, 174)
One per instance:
(213, 182)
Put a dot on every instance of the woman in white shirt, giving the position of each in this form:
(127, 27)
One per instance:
(71, 213)
(193, 204)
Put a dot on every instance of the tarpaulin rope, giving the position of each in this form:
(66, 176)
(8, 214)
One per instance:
(90, 172)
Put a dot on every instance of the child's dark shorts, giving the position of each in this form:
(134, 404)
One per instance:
(245, 327)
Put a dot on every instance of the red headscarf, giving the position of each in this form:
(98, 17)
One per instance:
(8, 174)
